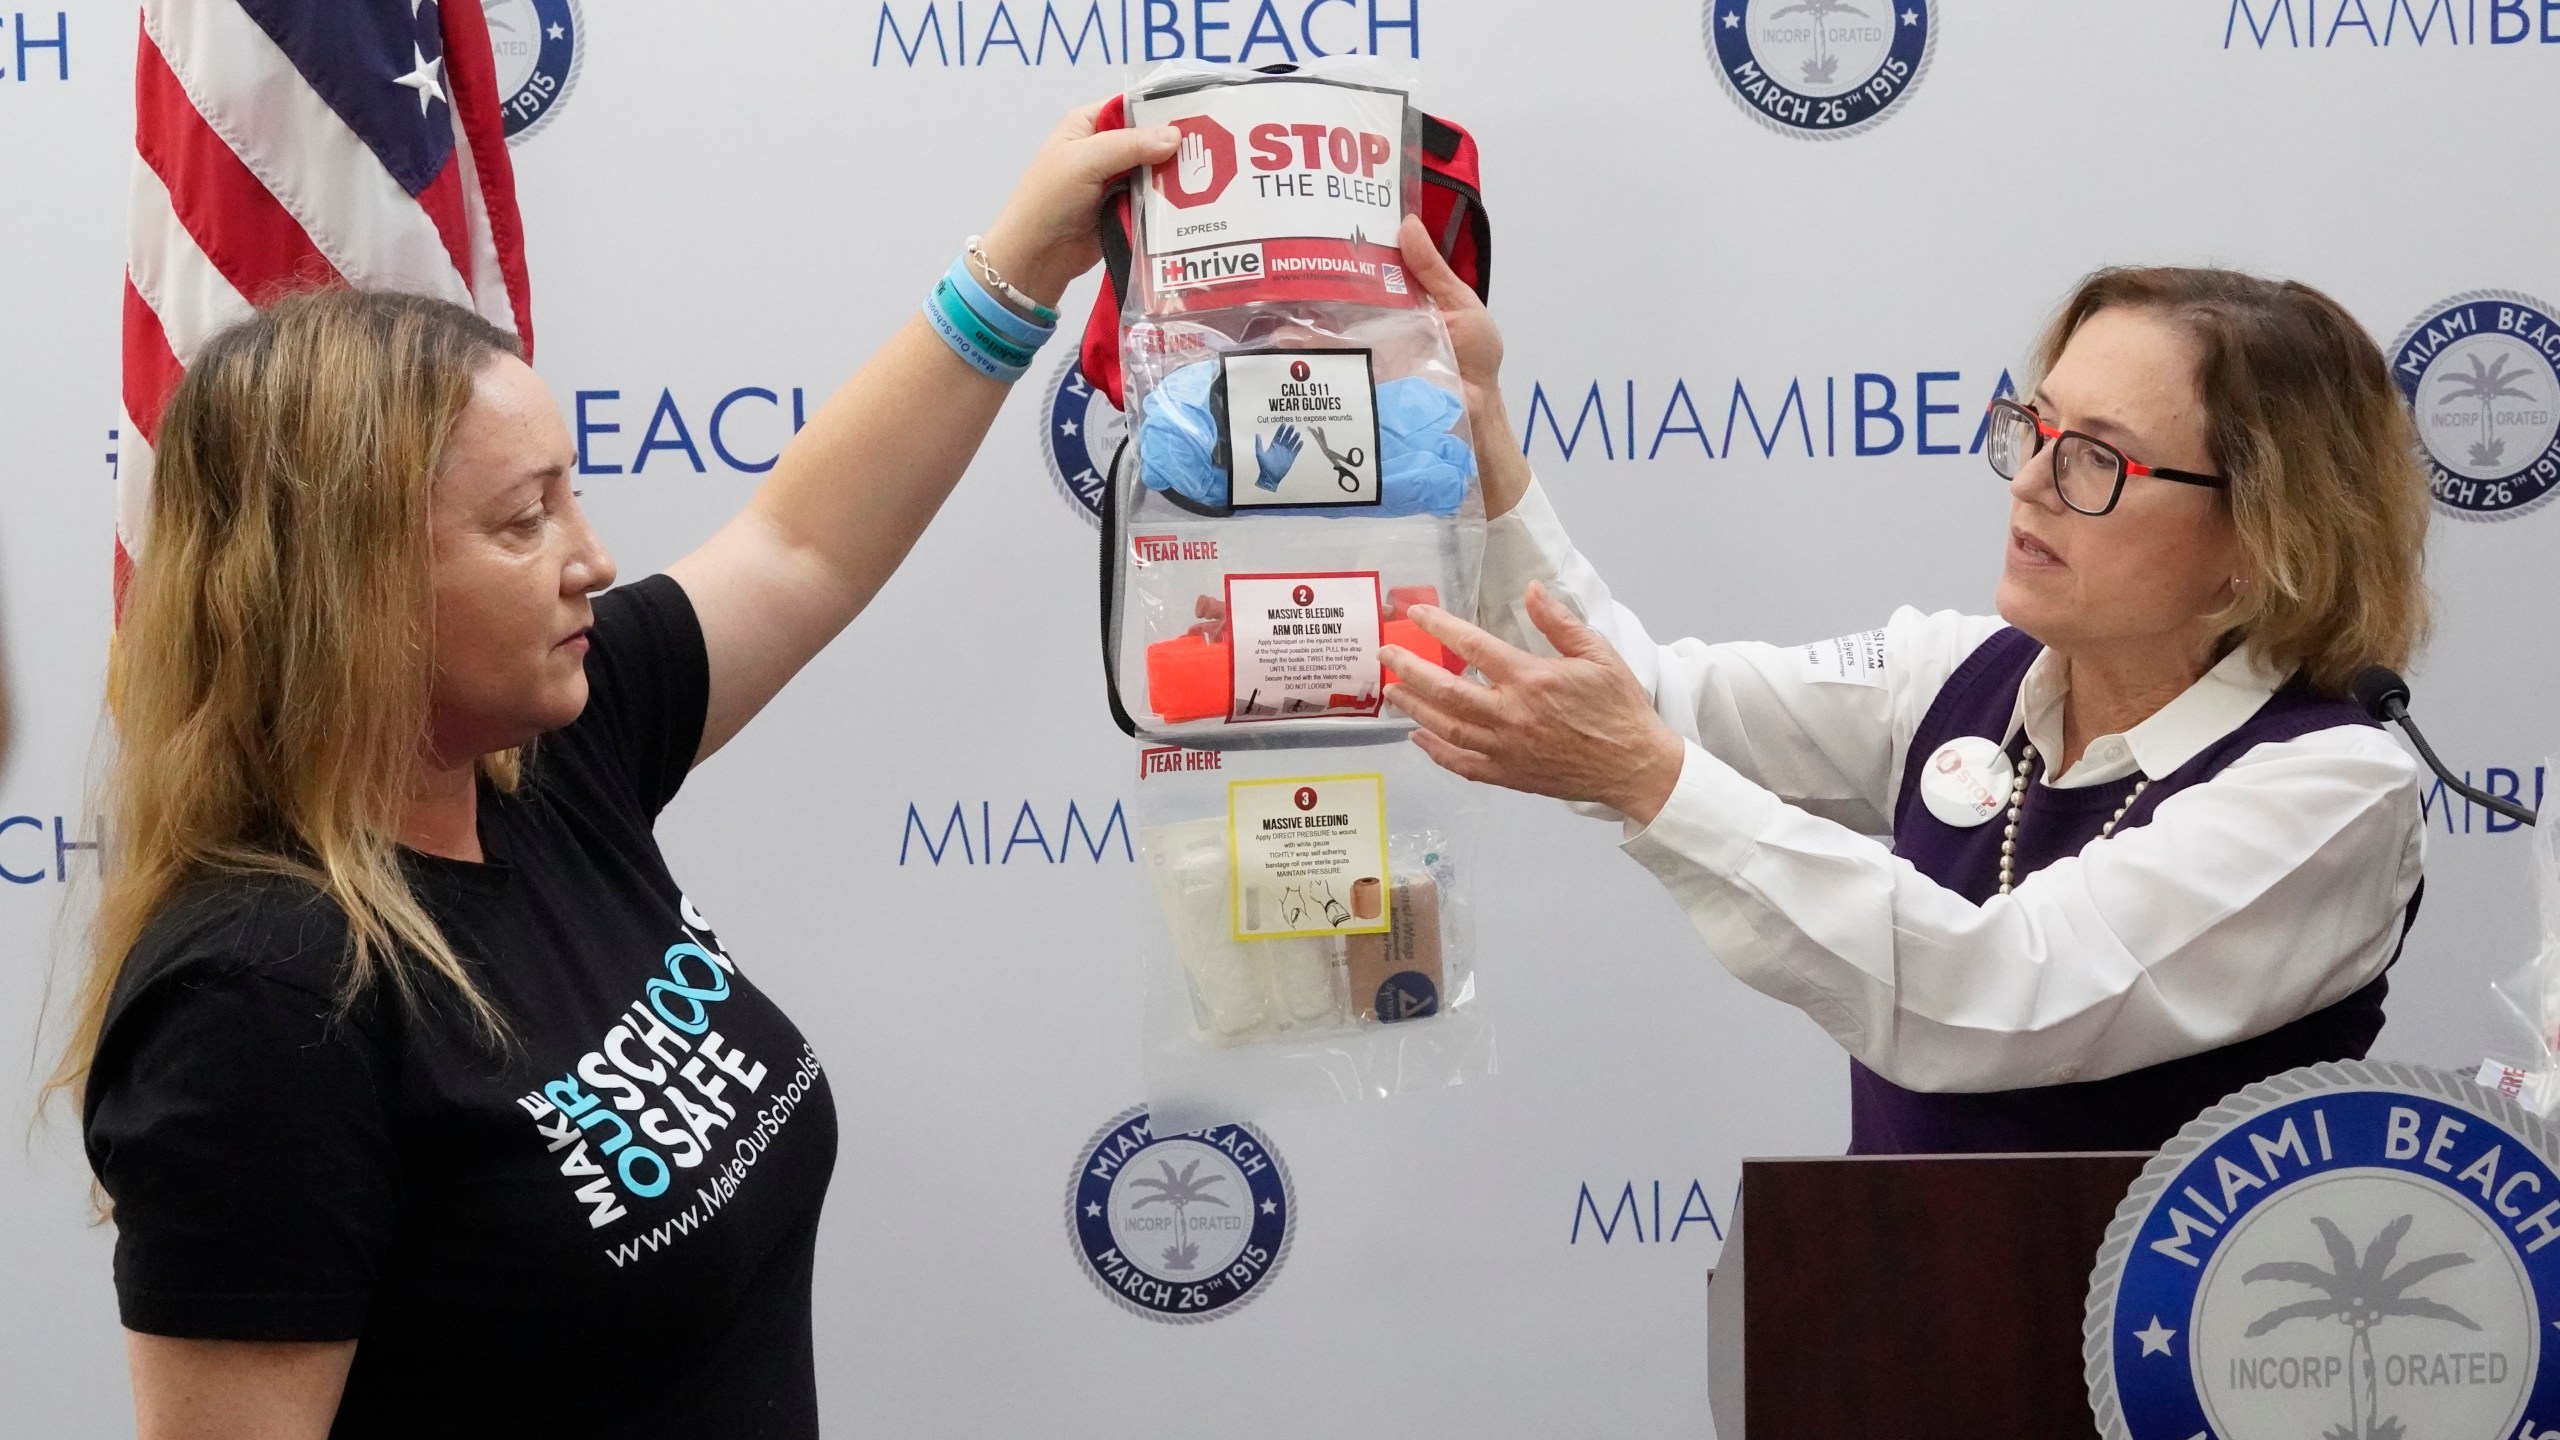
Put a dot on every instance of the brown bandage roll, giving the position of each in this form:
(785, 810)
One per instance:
(1396, 975)
(1366, 893)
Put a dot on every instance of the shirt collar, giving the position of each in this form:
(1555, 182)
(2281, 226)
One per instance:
(2217, 704)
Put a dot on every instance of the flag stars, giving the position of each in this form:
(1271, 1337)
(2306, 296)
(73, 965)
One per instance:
(427, 79)
(2155, 1341)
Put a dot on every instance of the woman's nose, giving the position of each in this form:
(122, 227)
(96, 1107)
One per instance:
(2034, 482)
(590, 566)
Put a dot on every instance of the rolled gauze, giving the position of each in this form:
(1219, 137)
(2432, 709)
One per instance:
(1396, 975)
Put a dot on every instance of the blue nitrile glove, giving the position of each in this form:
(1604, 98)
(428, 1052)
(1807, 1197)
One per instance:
(1274, 463)
(1177, 437)
(1424, 467)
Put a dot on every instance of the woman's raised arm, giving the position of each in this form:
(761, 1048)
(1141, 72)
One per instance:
(856, 487)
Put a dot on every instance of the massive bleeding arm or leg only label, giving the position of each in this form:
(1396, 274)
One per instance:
(1310, 856)
(1304, 645)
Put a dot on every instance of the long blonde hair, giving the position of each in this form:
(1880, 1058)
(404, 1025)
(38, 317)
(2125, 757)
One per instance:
(269, 681)
(2326, 493)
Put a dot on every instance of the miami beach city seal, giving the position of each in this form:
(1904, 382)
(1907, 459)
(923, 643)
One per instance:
(1179, 1227)
(1823, 68)
(2481, 373)
(536, 44)
(1080, 429)
(2356, 1251)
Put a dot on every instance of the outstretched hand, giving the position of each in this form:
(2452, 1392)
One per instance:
(1578, 727)
(1046, 236)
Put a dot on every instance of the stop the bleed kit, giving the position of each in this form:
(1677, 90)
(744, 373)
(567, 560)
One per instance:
(1300, 471)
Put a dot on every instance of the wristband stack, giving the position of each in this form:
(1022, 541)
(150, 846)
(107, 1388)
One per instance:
(992, 337)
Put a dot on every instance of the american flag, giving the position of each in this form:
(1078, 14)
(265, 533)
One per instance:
(286, 144)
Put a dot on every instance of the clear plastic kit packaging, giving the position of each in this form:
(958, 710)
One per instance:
(1301, 469)
(1310, 930)
(2533, 993)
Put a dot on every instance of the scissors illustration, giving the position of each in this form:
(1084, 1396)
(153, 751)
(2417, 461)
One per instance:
(1346, 464)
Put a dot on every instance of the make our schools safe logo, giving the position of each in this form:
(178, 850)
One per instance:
(2352, 1251)
(536, 46)
(2481, 374)
(1820, 68)
(1180, 1228)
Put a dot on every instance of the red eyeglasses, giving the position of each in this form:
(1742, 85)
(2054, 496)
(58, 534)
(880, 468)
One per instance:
(2088, 473)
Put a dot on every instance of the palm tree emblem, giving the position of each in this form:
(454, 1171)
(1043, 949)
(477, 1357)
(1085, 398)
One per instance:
(2363, 1295)
(1180, 1191)
(1824, 64)
(2487, 384)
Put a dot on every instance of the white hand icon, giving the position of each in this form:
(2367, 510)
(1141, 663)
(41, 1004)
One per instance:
(1194, 163)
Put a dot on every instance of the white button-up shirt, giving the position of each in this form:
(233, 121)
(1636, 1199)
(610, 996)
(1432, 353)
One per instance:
(2246, 902)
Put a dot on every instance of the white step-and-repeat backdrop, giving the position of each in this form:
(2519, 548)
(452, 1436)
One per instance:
(1760, 264)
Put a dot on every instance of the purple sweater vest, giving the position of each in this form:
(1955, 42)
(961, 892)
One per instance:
(2135, 1111)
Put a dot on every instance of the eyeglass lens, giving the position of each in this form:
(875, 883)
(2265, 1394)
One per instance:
(2085, 471)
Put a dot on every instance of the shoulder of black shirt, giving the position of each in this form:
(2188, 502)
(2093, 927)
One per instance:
(239, 924)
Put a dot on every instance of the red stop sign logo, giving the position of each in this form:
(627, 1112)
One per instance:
(1203, 168)
(1306, 797)
(1304, 595)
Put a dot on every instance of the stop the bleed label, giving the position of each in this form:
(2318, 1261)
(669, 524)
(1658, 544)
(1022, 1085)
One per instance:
(1280, 188)
(1309, 856)
(1304, 645)
(1301, 428)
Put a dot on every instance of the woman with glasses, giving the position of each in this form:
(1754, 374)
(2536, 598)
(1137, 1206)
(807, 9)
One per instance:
(2143, 851)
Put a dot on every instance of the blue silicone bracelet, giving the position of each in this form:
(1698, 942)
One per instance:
(1000, 317)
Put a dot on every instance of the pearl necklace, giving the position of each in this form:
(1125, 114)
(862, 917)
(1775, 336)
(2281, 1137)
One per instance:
(2018, 800)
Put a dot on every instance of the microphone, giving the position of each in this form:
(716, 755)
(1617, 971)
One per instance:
(2385, 697)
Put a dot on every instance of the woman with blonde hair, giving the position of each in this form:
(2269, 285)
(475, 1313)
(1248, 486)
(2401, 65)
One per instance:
(426, 1102)
(2142, 850)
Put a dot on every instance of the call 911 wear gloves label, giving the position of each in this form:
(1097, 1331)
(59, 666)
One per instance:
(1301, 427)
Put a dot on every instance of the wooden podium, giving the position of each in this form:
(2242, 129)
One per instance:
(1909, 1296)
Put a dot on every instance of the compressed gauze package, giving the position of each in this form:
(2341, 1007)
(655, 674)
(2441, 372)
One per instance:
(1309, 929)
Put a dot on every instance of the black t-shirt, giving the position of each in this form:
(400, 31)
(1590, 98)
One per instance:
(605, 1229)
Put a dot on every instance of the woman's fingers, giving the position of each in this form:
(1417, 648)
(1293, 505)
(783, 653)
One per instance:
(1443, 691)
(1104, 156)
(1564, 629)
(1457, 759)
(1499, 660)
(1422, 260)
(1438, 720)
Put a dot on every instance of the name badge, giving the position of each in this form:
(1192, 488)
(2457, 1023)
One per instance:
(1967, 781)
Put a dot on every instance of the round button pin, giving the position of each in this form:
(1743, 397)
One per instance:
(1966, 781)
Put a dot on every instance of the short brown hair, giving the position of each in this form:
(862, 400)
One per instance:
(2326, 492)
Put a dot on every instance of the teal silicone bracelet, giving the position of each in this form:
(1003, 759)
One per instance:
(961, 345)
(980, 333)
